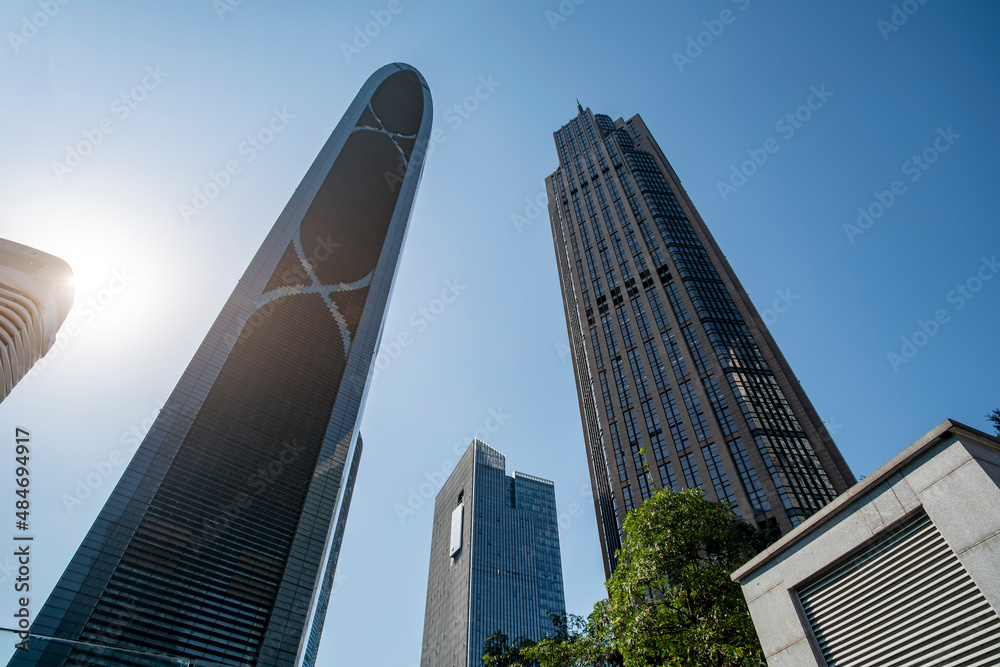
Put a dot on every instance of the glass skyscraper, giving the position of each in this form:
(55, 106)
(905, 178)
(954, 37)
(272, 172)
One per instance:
(219, 543)
(495, 562)
(680, 383)
(36, 294)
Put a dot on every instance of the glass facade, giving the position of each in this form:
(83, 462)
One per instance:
(640, 270)
(506, 573)
(220, 541)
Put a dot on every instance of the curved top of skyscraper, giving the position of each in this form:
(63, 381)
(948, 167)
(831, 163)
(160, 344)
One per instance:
(36, 294)
(220, 541)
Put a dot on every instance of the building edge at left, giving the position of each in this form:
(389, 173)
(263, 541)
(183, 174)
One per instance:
(36, 295)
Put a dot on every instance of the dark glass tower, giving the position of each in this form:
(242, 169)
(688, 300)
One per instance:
(680, 383)
(219, 543)
(495, 562)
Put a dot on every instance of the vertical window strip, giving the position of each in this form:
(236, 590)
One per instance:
(640, 318)
(627, 493)
(598, 358)
(616, 243)
(656, 364)
(608, 405)
(654, 430)
(690, 468)
(720, 481)
(675, 302)
(667, 477)
(691, 338)
(748, 476)
(701, 430)
(643, 485)
(773, 472)
(638, 373)
(726, 421)
(677, 363)
(609, 334)
(619, 453)
(621, 382)
(674, 422)
(659, 315)
(627, 337)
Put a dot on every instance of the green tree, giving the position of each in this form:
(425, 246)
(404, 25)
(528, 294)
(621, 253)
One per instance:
(499, 651)
(994, 418)
(579, 643)
(671, 601)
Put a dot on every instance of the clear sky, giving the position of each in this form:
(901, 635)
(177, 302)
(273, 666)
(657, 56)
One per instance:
(161, 95)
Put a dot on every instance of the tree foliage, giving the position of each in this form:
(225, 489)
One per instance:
(994, 418)
(579, 643)
(499, 651)
(671, 599)
(671, 602)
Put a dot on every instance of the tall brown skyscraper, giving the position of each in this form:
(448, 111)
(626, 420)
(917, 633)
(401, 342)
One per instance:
(680, 383)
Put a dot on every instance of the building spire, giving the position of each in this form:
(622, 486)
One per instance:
(579, 108)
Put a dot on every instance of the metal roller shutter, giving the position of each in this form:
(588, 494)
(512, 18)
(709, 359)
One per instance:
(906, 601)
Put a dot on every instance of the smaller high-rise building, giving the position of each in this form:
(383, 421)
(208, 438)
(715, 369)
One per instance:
(495, 562)
(36, 294)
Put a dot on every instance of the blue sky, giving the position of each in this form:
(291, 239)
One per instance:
(164, 95)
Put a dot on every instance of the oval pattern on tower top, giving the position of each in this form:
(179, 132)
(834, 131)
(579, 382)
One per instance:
(352, 209)
(399, 102)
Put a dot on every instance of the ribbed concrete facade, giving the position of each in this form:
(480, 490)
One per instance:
(680, 384)
(495, 561)
(36, 294)
(219, 542)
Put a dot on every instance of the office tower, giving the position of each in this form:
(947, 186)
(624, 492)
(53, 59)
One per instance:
(36, 294)
(495, 561)
(680, 383)
(218, 543)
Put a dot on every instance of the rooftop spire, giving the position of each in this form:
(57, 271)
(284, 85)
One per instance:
(579, 108)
